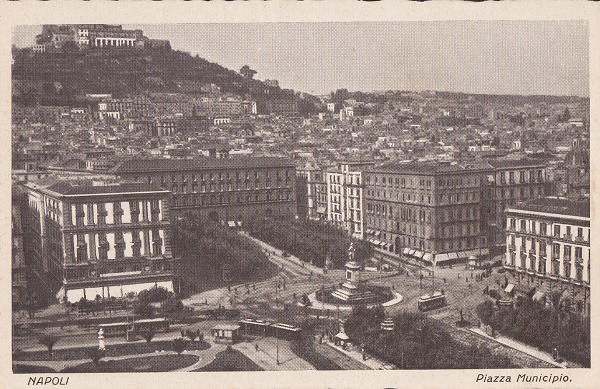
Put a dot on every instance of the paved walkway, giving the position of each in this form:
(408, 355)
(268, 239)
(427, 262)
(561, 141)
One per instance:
(519, 346)
(370, 361)
(266, 355)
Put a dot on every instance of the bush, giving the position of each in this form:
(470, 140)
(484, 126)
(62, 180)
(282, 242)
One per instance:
(179, 345)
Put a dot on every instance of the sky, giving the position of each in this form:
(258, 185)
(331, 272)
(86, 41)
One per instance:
(495, 57)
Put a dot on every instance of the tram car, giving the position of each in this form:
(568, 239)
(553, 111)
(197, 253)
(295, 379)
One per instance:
(428, 302)
(138, 326)
(265, 328)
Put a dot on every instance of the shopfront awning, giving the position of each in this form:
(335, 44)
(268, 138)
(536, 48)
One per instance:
(231, 223)
(342, 336)
(418, 254)
(485, 251)
(74, 295)
(471, 253)
(538, 296)
(427, 257)
(441, 258)
(509, 288)
(239, 224)
(411, 252)
(452, 255)
(406, 250)
(377, 233)
(376, 242)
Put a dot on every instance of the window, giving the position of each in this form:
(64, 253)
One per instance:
(568, 231)
(578, 253)
(567, 253)
(556, 230)
(523, 225)
(555, 250)
(580, 233)
(543, 229)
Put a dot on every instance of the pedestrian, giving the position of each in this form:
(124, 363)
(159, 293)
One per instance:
(444, 280)
(256, 346)
(466, 279)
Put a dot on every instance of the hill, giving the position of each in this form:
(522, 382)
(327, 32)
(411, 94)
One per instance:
(56, 78)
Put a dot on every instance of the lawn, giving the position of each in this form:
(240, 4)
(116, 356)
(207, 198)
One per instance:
(159, 363)
(231, 360)
(116, 350)
(31, 369)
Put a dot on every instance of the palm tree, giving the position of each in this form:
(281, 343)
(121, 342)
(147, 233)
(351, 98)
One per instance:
(96, 354)
(49, 341)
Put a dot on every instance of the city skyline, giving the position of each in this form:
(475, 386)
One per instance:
(454, 56)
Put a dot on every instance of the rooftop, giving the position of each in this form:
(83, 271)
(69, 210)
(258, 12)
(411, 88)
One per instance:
(559, 206)
(169, 165)
(510, 163)
(66, 188)
(429, 168)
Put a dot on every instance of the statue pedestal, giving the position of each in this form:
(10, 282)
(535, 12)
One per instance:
(353, 290)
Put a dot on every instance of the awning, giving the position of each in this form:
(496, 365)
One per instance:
(406, 250)
(441, 258)
(485, 251)
(418, 254)
(411, 252)
(509, 288)
(342, 336)
(452, 255)
(231, 223)
(376, 242)
(470, 253)
(538, 296)
(74, 295)
(239, 224)
(377, 233)
(384, 245)
(463, 254)
(427, 257)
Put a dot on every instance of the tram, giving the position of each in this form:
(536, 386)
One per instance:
(434, 301)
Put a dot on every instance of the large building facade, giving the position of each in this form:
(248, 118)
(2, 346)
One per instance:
(345, 197)
(426, 211)
(228, 190)
(86, 240)
(548, 244)
(513, 181)
(312, 192)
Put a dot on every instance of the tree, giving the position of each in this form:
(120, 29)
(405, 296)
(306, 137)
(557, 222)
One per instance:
(148, 335)
(247, 73)
(179, 345)
(96, 354)
(49, 341)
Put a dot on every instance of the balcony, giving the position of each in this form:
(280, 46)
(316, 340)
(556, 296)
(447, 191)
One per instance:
(568, 237)
(580, 239)
(555, 256)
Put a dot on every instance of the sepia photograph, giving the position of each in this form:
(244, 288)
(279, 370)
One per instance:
(318, 196)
